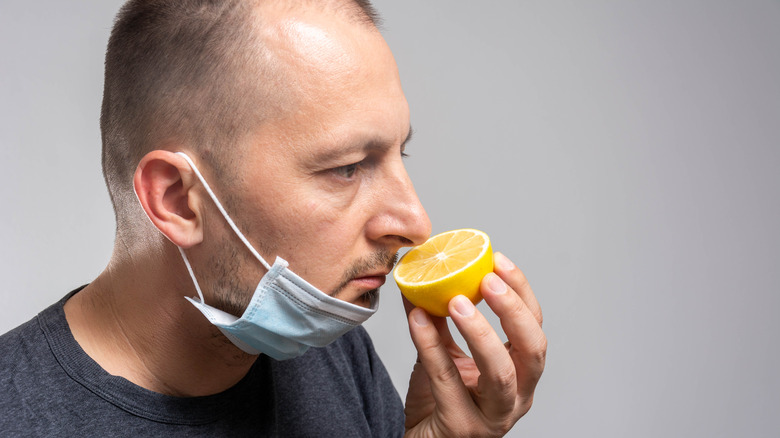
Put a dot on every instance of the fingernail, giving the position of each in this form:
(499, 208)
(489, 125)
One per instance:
(420, 318)
(503, 262)
(496, 284)
(463, 305)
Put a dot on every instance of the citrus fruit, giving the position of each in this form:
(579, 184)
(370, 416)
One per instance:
(448, 264)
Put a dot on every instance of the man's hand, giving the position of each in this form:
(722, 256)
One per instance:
(451, 394)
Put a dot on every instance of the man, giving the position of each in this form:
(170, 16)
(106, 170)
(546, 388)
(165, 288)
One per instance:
(236, 132)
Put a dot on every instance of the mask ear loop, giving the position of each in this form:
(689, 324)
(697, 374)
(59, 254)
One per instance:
(192, 275)
(224, 214)
(181, 251)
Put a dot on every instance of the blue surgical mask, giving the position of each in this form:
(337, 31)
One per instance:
(286, 315)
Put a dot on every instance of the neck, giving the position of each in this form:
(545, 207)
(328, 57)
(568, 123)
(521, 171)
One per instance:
(134, 322)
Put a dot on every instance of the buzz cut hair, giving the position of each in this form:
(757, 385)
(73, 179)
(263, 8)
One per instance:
(187, 72)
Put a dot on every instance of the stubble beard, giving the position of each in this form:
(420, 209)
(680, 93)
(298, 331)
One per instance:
(381, 259)
(233, 297)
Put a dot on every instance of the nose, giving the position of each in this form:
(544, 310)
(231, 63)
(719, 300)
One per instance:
(401, 219)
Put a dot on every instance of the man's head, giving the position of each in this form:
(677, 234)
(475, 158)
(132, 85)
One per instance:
(299, 122)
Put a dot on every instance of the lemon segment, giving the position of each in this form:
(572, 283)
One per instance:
(448, 264)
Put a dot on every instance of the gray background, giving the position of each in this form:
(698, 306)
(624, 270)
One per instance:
(625, 154)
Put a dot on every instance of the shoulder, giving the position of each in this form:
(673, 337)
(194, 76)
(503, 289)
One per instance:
(20, 348)
(25, 362)
(37, 396)
(27, 350)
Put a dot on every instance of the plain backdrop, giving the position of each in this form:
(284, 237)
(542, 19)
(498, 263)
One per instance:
(626, 155)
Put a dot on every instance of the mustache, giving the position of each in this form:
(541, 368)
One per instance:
(380, 259)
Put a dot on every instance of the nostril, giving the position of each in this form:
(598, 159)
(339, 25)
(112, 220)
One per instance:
(405, 241)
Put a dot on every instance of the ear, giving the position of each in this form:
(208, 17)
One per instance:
(165, 186)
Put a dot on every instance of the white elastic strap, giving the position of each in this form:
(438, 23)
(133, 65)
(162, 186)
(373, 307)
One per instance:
(192, 275)
(224, 214)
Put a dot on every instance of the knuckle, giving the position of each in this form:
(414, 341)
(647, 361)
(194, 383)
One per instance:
(516, 308)
(541, 348)
(447, 373)
(536, 358)
(506, 379)
(484, 333)
(500, 426)
(503, 427)
(470, 430)
(525, 405)
(538, 351)
(426, 349)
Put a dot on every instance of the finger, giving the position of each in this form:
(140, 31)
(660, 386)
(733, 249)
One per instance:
(408, 306)
(515, 278)
(528, 344)
(419, 400)
(446, 336)
(447, 387)
(497, 384)
(442, 328)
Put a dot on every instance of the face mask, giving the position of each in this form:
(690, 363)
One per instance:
(286, 315)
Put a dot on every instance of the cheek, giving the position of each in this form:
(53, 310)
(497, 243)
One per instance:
(305, 226)
(332, 230)
(321, 224)
(313, 205)
(316, 242)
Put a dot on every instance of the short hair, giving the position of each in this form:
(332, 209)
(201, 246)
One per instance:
(178, 71)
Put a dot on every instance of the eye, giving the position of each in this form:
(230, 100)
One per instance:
(347, 171)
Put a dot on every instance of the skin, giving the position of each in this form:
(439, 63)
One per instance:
(322, 185)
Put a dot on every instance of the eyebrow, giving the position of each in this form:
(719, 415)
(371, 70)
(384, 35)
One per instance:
(333, 154)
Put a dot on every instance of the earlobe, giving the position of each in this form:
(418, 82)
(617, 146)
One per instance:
(163, 182)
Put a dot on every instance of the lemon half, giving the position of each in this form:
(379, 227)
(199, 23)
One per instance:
(448, 264)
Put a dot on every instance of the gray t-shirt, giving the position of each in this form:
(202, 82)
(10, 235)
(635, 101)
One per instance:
(50, 387)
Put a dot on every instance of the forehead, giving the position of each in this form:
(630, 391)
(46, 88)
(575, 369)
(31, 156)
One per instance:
(338, 80)
(313, 50)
